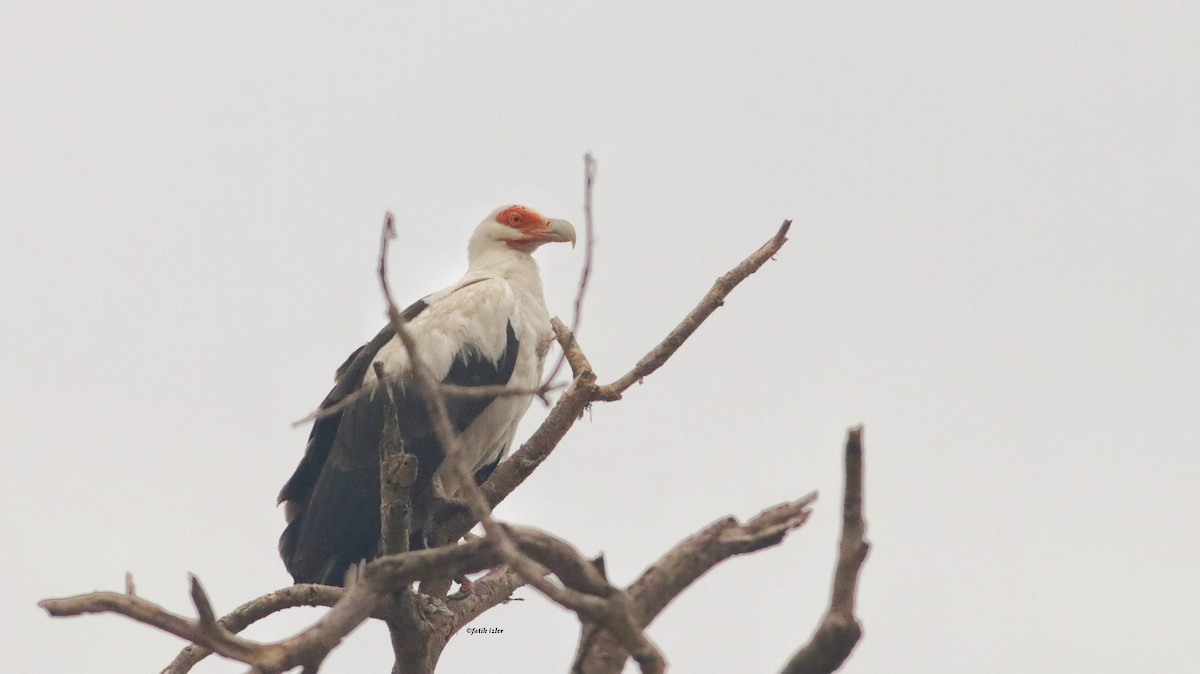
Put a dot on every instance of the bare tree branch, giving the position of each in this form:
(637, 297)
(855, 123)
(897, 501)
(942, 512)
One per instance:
(205, 631)
(711, 302)
(146, 612)
(254, 610)
(308, 648)
(840, 630)
(448, 390)
(675, 571)
(725, 538)
(398, 472)
(497, 390)
(367, 597)
(570, 348)
(414, 641)
(587, 592)
(564, 561)
(493, 589)
(409, 630)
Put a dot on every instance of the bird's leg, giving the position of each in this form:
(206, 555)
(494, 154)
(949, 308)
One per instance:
(441, 509)
(442, 506)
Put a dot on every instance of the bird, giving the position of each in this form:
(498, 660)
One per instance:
(491, 327)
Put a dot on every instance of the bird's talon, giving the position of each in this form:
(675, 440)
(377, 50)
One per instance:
(466, 587)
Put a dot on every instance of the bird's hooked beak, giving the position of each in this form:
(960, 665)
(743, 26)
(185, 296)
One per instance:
(560, 230)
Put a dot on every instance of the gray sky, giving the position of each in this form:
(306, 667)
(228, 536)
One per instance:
(994, 267)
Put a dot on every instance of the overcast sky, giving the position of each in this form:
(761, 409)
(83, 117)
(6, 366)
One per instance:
(994, 267)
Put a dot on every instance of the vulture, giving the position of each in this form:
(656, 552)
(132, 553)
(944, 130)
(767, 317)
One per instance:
(491, 327)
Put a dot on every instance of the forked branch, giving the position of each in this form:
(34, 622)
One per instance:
(677, 570)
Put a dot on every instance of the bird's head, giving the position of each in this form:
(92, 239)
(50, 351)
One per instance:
(520, 228)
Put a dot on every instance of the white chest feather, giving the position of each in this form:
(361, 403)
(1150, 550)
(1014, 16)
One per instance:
(473, 316)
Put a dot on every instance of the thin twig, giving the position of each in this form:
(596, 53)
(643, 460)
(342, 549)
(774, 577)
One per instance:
(711, 302)
(499, 390)
(448, 390)
(566, 339)
(589, 177)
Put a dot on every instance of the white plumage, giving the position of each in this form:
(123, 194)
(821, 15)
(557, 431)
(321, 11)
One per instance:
(489, 328)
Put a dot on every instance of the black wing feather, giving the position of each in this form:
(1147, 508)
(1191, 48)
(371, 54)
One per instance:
(335, 489)
(347, 380)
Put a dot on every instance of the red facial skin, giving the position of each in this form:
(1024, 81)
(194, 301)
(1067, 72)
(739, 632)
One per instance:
(527, 221)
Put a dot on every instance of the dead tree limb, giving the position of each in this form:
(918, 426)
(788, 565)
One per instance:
(397, 473)
(710, 303)
(408, 625)
(254, 610)
(308, 648)
(493, 589)
(675, 571)
(411, 628)
(840, 629)
(204, 629)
